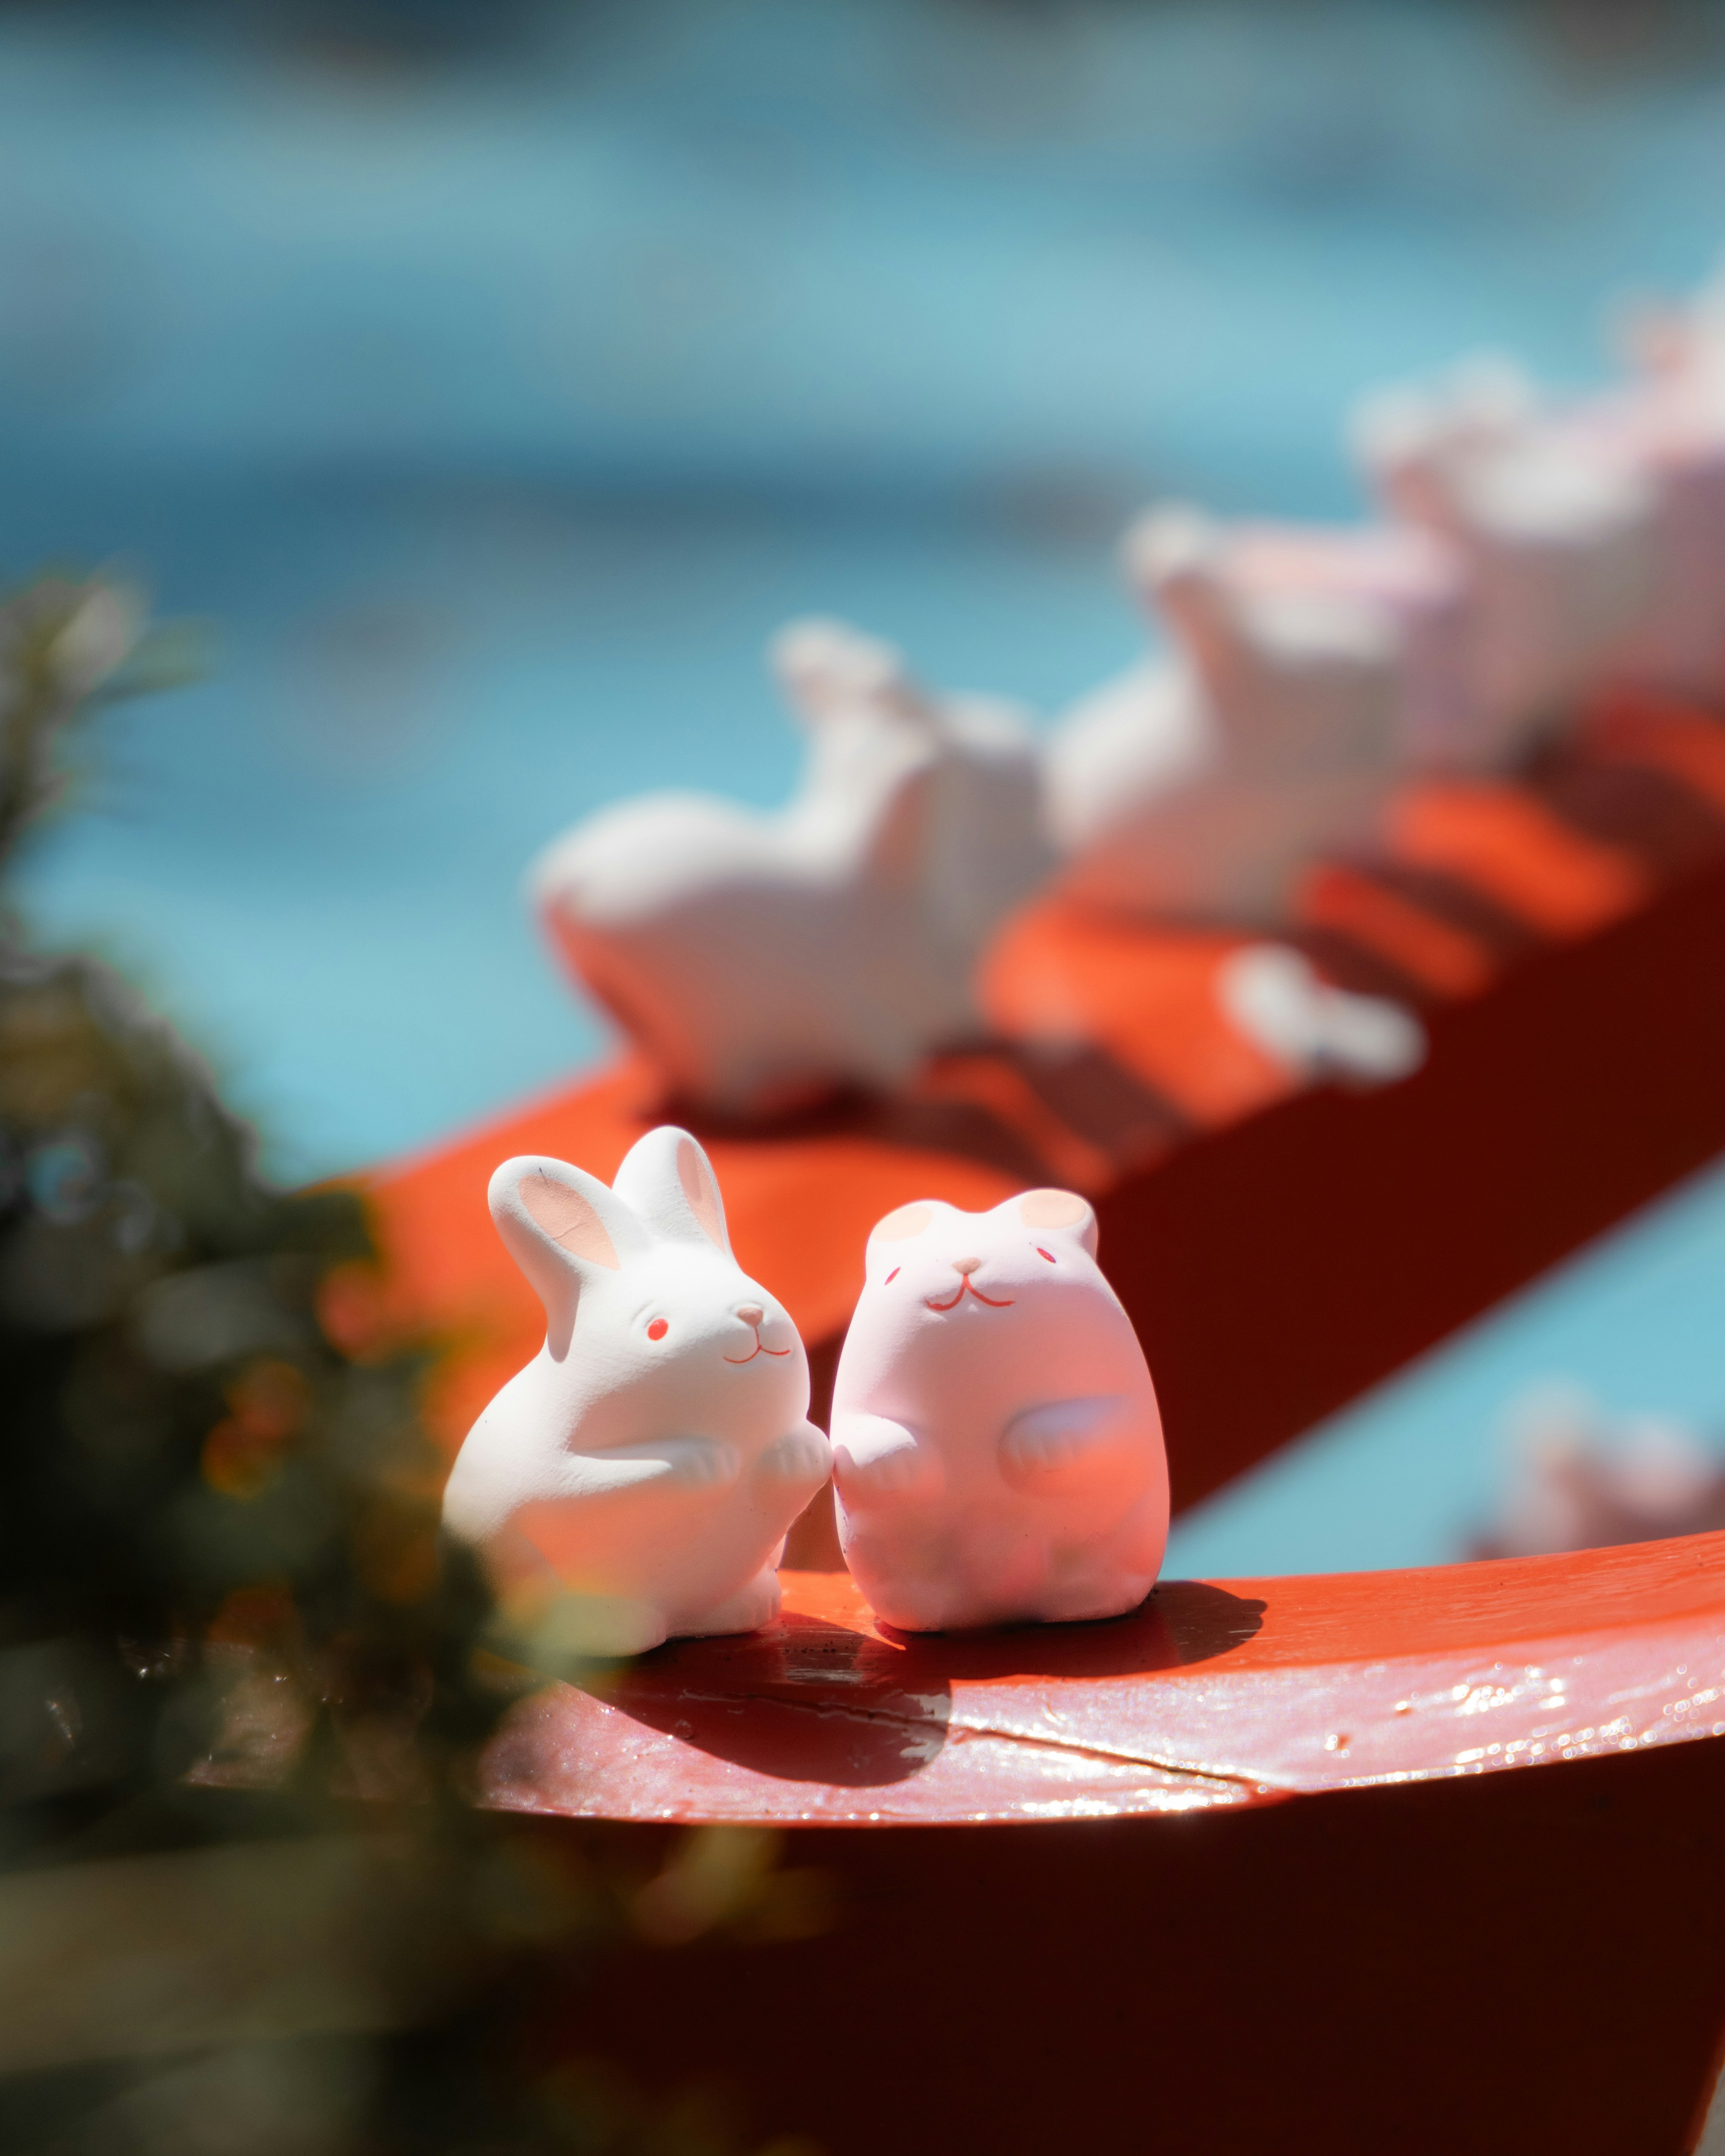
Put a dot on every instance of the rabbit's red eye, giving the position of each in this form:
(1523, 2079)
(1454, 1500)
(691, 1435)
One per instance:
(658, 1329)
(1041, 1253)
(892, 1276)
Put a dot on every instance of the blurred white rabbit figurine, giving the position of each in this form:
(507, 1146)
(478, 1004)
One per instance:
(1669, 426)
(1558, 536)
(997, 1448)
(1582, 1478)
(1674, 435)
(756, 956)
(1410, 582)
(1201, 783)
(657, 1447)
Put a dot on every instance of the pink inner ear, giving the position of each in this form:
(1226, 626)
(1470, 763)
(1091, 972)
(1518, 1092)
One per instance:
(907, 1221)
(568, 1218)
(1052, 1208)
(700, 1191)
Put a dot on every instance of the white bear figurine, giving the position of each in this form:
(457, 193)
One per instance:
(1201, 784)
(758, 959)
(657, 1447)
(997, 1448)
(1558, 536)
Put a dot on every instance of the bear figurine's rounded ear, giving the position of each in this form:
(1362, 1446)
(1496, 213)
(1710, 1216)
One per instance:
(900, 1225)
(1061, 1210)
(668, 1182)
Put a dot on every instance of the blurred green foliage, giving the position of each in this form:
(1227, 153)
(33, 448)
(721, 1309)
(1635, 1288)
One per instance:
(193, 1469)
(244, 1902)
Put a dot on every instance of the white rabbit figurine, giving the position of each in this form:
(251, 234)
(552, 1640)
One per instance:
(1202, 783)
(1668, 425)
(1673, 433)
(657, 1447)
(755, 957)
(997, 1448)
(1557, 534)
(1411, 581)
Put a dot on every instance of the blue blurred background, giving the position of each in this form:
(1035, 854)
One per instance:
(492, 379)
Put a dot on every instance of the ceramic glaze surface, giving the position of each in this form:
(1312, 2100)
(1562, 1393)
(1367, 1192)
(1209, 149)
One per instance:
(997, 1446)
(1202, 785)
(654, 1452)
(757, 957)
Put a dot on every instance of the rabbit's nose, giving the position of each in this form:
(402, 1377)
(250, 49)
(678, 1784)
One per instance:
(966, 1266)
(750, 1313)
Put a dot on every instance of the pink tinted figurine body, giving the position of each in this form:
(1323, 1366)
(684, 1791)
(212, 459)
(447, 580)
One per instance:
(997, 1447)
(654, 1452)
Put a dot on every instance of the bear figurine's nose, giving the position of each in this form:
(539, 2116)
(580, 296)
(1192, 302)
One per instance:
(750, 1313)
(966, 1266)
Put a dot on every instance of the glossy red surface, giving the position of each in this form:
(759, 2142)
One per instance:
(1216, 1693)
(1259, 1875)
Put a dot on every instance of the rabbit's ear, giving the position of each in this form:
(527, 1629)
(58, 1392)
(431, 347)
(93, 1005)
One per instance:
(1176, 557)
(1062, 1211)
(827, 666)
(896, 845)
(668, 1182)
(561, 1226)
(1400, 437)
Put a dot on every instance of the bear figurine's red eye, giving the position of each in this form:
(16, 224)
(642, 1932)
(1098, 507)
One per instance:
(892, 1276)
(1041, 1253)
(658, 1329)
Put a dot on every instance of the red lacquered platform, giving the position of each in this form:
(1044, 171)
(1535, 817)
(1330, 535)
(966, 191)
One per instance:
(1411, 1861)
(1216, 1693)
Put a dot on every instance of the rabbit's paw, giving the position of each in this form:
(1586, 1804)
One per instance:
(746, 1611)
(801, 1459)
(877, 1462)
(698, 1463)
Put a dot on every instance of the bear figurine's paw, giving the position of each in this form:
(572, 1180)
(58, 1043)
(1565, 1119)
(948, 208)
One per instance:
(875, 1460)
(1065, 1443)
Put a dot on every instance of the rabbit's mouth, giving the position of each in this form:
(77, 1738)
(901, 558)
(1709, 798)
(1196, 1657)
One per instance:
(760, 1347)
(968, 1286)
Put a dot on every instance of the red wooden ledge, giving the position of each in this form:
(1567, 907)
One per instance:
(1410, 1861)
(1216, 1693)
(1196, 1919)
